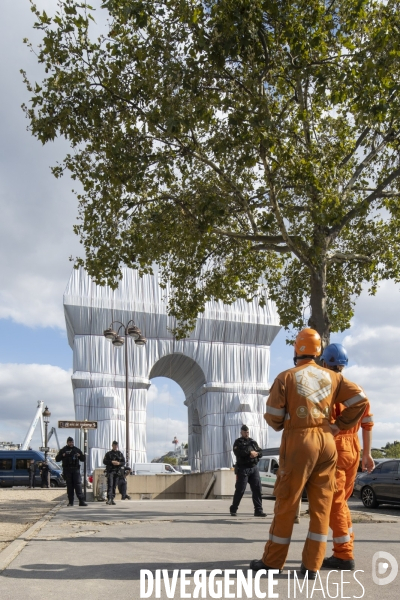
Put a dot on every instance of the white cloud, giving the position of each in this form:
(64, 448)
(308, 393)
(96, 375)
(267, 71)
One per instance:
(381, 309)
(373, 345)
(385, 432)
(21, 386)
(160, 394)
(161, 432)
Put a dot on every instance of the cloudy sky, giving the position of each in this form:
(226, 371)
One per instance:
(36, 238)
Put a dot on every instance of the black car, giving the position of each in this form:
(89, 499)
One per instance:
(382, 485)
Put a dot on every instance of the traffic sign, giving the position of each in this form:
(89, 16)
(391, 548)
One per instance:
(44, 449)
(77, 424)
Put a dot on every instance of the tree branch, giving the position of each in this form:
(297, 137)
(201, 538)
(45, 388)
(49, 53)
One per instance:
(278, 215)
(334, 231)
(271, 248)
(380, 194)
(358, 144)
(268, 239)
(341, 257)
(390, 136)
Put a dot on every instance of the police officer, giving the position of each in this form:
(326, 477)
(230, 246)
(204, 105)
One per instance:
(122, 483)
(114, 461)
(31, 472)
(70, 456)
(44, 472)
(247, 453)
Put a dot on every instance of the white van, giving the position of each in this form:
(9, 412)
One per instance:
(153, 469)
(268, 466)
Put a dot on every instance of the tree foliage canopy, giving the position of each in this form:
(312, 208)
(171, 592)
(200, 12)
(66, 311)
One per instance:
(232, 142)
(392, 450)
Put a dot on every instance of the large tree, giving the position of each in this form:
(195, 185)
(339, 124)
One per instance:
(242, 145)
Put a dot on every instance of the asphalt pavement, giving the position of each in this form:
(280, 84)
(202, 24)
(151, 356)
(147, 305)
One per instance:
(99, 551)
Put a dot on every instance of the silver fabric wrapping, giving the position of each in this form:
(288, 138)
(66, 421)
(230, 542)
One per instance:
(222, 367)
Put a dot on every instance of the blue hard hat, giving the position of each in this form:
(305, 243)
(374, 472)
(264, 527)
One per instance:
(335, 355)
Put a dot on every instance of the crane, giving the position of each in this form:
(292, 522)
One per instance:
(53, 430)
(38, 415)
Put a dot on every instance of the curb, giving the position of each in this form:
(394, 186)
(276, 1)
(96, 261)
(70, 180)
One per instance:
(13, 549)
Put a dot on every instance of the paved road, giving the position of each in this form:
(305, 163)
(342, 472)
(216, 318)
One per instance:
(356, 504)
(98, 552)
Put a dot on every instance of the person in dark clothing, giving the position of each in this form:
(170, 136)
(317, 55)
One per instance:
(247, 453)
(114, 461)
(31, 472)
(70, 456)
(123, 484)
(44, 472)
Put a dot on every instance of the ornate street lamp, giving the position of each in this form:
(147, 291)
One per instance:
(118, 338)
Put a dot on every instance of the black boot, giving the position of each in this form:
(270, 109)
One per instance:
(82, 503)
(338, 564)
(311, 574)
(257, 565)
(259, 513)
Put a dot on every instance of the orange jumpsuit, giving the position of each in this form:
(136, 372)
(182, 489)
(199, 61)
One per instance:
(348, 449)
(300, 402)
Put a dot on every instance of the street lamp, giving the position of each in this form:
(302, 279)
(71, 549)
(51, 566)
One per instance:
(46, 420)
(119, 337)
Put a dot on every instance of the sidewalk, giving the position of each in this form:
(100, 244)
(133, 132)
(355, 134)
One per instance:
(20, 508)
(98, 551)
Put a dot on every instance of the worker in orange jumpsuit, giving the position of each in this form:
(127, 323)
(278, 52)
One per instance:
(335, 358)
(300, 402)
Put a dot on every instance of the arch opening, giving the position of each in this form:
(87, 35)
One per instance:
(189, 376)
(181, 369)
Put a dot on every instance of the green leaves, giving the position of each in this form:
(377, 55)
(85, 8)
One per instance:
(235, 143)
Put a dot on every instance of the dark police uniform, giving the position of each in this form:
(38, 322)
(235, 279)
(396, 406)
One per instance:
(246, 470)
(44, 472)
(31, 473)
(122, 483)
(71, 472)
(113, 471)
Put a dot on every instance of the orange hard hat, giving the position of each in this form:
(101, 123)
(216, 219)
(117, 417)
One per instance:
(308, 342)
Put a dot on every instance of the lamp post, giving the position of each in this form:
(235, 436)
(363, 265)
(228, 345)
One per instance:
(46, 420)
(118, 337)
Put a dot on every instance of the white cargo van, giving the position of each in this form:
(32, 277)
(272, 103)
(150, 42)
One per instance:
(268, 466)
(154, 469)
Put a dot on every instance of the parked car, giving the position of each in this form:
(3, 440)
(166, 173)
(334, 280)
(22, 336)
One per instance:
(14, 468)
(382, 485)
(377, 461)
(154, 469)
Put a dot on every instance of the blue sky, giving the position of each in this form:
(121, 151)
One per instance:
(36, 241)
(43, 345)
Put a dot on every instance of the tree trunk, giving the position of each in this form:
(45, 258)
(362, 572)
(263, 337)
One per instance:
(319, 319)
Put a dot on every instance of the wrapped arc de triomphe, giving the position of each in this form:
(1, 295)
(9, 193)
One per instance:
(222, 367)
